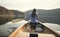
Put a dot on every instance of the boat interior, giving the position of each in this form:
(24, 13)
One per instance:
(25, 30)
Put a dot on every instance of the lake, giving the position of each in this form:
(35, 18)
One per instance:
(9, 27)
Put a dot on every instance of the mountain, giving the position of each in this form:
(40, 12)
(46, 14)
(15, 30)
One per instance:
(18, 14)
(8, 15)
(49, 16)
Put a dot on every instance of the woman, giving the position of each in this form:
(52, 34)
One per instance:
(33, 19)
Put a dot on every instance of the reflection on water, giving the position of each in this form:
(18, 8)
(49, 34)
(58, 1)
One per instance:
(9, 27)
(54, 27)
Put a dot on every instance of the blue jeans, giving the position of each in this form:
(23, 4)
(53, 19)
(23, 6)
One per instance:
(33, 25)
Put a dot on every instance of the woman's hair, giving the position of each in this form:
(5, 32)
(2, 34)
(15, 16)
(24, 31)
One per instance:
(34, 12)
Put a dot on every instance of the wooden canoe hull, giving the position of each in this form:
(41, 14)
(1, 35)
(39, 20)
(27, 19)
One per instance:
(22, 31)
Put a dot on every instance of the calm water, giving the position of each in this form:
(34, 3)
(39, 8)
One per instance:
(8, 28)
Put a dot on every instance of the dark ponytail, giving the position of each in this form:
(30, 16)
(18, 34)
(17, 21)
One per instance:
(34, 12)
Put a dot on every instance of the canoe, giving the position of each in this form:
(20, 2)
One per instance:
(24, 31)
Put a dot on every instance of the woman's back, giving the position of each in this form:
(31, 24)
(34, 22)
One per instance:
(33, 19)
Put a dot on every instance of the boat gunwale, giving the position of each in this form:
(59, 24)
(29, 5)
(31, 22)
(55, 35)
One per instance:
(13, 33)
(51, 30)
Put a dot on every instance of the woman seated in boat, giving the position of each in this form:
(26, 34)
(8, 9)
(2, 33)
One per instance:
(34, 21)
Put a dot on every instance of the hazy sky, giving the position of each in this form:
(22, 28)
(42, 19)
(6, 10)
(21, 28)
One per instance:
(24, 5)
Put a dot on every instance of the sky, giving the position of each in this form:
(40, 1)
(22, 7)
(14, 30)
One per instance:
(24, 5)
